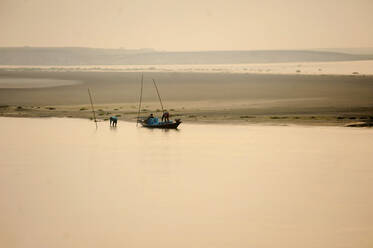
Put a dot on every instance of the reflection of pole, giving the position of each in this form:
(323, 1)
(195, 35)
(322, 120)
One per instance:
(93, 110)
(138, 113)
(160, 100)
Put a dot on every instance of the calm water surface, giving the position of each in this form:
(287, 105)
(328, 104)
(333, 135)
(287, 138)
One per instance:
(65, 184)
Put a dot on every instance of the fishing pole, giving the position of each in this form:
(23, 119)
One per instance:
(138, 113)
(93, 110)
(160, 100)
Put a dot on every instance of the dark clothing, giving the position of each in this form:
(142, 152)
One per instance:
(113, 121)
(166, 117)
(149, 117)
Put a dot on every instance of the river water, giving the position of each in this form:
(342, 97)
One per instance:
(363, 67)
(65, 184)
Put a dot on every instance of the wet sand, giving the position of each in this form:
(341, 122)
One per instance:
(27, 83)
(197, 97)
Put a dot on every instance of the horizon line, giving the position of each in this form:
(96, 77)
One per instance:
(155, 50)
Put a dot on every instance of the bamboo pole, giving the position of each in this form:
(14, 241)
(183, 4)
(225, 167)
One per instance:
(138, 113)
(159, 97)
(93, 110)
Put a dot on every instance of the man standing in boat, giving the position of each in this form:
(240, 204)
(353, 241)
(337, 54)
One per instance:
(166, 116)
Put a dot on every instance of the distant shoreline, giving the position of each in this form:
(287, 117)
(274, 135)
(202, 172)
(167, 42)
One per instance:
(65, 56)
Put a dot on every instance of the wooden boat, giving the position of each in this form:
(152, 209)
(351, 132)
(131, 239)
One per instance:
(160, 124)
(153, 122)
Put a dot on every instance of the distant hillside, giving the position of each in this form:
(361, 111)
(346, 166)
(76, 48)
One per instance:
(93, 56)
(361, 51)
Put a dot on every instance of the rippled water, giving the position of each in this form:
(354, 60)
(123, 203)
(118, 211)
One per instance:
(364, 67)
(65, 184)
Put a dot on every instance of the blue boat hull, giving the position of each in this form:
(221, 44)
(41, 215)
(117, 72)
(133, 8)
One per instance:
(170, 125)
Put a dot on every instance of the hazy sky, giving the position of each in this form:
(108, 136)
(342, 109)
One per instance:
(188, 24)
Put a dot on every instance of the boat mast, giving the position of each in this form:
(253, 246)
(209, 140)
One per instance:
(159, 97)
(93, 110)
(138, 113)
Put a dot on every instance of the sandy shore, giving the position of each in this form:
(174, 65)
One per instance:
(197, 97)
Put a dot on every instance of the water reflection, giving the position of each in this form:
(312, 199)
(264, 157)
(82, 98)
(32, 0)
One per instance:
(113, 128)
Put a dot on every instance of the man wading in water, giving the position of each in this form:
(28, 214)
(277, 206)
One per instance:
(113, 121)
